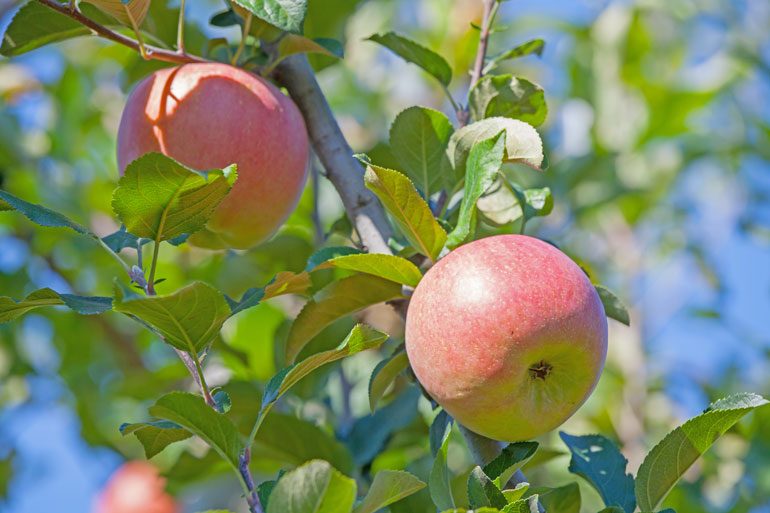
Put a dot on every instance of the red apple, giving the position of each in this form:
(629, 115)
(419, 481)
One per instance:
(213, 115)
(136, 487)
(508, 335)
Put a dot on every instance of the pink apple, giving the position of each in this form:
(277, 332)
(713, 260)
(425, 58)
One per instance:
(508, 335)
(213, 115)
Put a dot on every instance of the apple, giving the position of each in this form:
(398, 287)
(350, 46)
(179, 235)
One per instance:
(508, 335)
(136, 487)
(211, 115)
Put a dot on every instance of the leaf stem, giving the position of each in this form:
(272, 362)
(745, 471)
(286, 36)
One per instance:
(135, 26)
(151, 52)
(112, 253)
(153, 267)
(180, 29)
(244, 35)
(204, 387)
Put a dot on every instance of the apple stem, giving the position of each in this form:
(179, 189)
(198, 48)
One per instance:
(244, 36)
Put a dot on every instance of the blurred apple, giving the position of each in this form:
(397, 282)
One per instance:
(136, 487)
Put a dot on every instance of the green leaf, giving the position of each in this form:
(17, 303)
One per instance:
(613, 306)
(597, 460)
(155, 436)
(222, 401)
(438, 431)
(409, 210)
(480, 510)
(290, 441)
(336, 300)
(535, 46)
(288, 15)
(35, 25)
(360, 338)
(509, 97)
(482, 491)
(388, 487)
(417, 54)
(528, 505)
(188, 319)
(292, 44)
(506, 202)
(121, 239)
(484, 162)
(522, 142)
(159, 198)
(251, 298)
(419, 138)
(667, 461)
(41, 215)
(384, 374)
(287, 283)
(193, 414)
(564, 499)
(510, 459)
(315, 487)
(512, 495)
(11, 309)
(440, 480)
(265, 490)
(370, 434)
(323, 255)
(137, 10)
(389, 267)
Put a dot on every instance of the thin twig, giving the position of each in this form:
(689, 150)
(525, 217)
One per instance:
(152, 52)
(490, 11)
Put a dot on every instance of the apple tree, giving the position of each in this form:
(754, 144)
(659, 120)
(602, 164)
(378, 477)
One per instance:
(232, 307)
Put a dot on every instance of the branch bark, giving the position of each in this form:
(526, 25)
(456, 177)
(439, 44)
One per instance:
(362, 207)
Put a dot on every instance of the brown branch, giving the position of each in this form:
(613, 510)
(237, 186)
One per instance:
(152, 52)
(481, 53)
(362, 207)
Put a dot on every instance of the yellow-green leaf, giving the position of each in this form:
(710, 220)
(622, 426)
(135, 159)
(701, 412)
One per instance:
(188, 319)
(159, 198)
(390, 267)
(336, 300)
(409, 210)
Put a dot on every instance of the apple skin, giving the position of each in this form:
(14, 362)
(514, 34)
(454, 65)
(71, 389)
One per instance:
(136, 487)
(212, 115)
(508, 335)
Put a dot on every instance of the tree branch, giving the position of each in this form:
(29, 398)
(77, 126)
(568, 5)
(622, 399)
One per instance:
(487, 18)
(362, 207)
(481, 53)
(152, 52)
